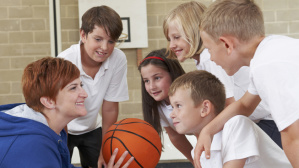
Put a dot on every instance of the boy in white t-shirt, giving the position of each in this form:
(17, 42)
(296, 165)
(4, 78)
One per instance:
(103, 72)
(197, 98)
(274, 68)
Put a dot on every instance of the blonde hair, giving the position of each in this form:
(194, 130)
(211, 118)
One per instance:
(187, 18)
(201, 85)
(242, 19)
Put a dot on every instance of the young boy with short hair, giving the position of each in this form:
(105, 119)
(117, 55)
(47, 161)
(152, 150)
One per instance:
(103, 72)
(237, 38)
(197, 98)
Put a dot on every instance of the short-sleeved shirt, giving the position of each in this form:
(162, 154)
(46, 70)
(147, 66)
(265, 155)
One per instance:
(241, 138)
(274, 76)
(110, 84)
(241, 83)
(206, 64)
(164, 112)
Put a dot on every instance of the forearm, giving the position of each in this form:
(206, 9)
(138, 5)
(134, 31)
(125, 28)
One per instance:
(291, 150)
(184, 146)
(181, 143)
(218, 122)
(109, 115)
(244, 106)
(108, 118)
(229, 101)
(239, 163)
(290, 143)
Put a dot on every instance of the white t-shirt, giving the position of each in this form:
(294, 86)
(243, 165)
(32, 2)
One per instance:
(241, 83)
(206, 64)
(274, 76)
(164, 112)
(110, 84)
(241, 138)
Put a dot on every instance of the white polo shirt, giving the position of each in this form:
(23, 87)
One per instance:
(241, 138)
(110, 84)
(274, 76)
(206, 64)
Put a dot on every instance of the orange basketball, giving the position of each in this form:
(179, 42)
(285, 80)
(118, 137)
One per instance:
(137, 137)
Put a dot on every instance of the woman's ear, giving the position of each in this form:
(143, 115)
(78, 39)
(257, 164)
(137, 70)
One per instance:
(206, 108)
(47, 102)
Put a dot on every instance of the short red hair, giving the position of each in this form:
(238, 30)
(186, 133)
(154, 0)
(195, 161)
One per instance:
(45, 77)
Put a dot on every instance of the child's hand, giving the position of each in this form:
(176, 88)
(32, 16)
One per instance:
(120, 160)
(203, 144)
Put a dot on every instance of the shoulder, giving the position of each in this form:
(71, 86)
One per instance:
(70, 52)
(238, 127)
(240, 140)
(118, 55)
(42, 151)
(40, 141)
(238, 121)
(118, 59)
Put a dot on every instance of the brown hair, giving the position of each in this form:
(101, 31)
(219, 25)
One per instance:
(242, 19)
(45, 77)
(149, 104)
(102, 16)
(187, 17)
(202, 85)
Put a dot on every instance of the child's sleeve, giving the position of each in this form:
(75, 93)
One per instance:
(164, 113)
(118, 86)
(240, 140)
(277, 84)
(163, 121)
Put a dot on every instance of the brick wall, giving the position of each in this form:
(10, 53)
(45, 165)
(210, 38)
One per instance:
(25, 36)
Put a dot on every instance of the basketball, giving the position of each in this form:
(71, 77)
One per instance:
(137, 137)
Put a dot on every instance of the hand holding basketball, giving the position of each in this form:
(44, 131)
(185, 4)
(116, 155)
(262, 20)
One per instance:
(120, 160)
(137, 137)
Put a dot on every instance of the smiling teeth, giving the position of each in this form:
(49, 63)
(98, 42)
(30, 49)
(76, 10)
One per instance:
(79, 103)
(100, 53)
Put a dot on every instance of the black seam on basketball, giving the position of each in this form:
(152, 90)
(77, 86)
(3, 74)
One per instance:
(113, 136)
(128, 150)
(133, 123)
(136, 135)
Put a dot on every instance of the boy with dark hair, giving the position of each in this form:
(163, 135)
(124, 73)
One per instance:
(103, 70)
(197, 98)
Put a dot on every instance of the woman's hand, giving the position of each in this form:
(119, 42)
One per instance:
(120, 160)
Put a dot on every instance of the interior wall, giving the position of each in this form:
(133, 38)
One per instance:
(25, 37)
